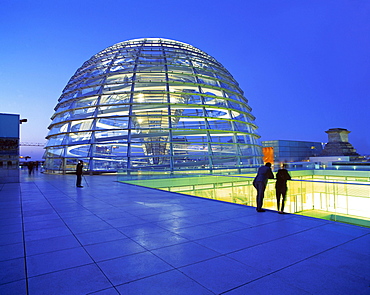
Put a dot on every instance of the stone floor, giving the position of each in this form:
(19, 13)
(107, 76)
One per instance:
(114, 238)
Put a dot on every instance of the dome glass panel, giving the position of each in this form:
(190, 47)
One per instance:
(152, 104)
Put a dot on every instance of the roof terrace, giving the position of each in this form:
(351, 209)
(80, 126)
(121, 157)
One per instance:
(116, 238)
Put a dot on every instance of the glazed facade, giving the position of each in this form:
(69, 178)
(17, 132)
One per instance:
(285, 151)
(152, 104)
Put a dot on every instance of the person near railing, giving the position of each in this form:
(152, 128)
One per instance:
(260, 182)
(281, 187)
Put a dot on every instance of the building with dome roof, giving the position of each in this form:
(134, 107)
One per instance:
(152, 104)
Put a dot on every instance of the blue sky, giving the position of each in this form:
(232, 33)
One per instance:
(304, 66)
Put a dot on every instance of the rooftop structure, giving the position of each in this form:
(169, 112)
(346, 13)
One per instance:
(338, 144)
(9, 148)
(152, 104)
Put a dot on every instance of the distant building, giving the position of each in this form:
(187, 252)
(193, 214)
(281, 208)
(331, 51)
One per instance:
(339, 152)
(9, 148)
(338, 144)
(284, 151)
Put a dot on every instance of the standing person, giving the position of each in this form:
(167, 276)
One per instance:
(30, 167)
(79, 172)
(260, 183)
(281, 187)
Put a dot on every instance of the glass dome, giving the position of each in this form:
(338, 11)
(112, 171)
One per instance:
(152, 104)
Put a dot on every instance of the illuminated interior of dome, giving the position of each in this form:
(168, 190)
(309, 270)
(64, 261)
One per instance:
(152, 104)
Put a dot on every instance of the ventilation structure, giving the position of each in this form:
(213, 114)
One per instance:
(152, 104)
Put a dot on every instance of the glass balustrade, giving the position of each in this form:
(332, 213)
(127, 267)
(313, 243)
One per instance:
(344, 198)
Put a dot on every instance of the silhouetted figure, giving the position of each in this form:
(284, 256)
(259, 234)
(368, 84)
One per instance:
(281, 188)
(30, 166)
(260, 183)
(79, 171)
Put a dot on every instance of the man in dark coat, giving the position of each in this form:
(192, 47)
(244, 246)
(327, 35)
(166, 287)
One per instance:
(79, 171)
(260, 183)
(281, 187)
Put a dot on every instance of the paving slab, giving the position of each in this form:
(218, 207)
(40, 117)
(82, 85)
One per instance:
(114, 238)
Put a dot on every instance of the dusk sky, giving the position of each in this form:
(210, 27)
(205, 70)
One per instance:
(304, 66)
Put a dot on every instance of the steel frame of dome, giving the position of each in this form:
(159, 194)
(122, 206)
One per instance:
(152, 104)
